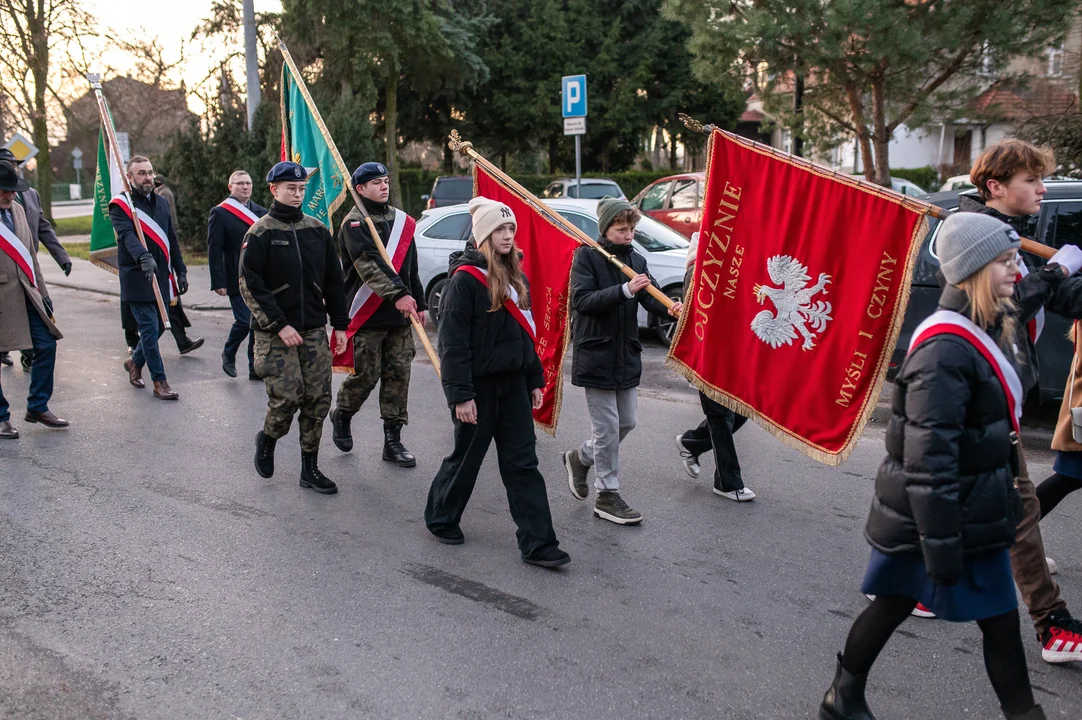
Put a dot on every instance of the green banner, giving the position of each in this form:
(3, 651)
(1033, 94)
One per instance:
(106, 184)
(304, 141)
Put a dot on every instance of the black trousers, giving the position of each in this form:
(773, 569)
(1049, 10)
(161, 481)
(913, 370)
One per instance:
(504, 414)
(177, 322)
(716, 432)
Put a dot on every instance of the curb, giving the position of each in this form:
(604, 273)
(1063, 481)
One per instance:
(194, 306)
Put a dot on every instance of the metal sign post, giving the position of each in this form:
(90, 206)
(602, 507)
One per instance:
(573, 107)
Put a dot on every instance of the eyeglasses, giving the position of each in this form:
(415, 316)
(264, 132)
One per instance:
(1011, 263)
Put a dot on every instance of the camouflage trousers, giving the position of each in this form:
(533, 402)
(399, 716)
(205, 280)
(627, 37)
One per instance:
(297, 379)
(384, 356)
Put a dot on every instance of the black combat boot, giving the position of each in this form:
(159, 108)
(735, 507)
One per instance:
(340, 433)
(393, 449)
(845, 698)
(264, 454)
(1034, 713)
(311, 477)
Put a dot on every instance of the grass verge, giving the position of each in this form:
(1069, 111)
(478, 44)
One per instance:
(82, 251)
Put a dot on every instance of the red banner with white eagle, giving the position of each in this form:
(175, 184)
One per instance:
(547, 250)
(800, 287)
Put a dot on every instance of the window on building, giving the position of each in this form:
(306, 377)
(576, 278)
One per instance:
(1055, 60)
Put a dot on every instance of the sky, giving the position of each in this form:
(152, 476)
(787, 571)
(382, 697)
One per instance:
(172, 21)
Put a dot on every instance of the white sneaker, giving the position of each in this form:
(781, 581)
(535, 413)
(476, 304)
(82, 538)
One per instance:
(1053, 569)
(741, 495)
(691, 462)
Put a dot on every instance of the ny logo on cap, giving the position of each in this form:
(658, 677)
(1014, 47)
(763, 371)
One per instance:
(505, 211)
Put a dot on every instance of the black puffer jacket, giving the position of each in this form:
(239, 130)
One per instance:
(946, 488)
(475, 343)
(607, 352)
(1045, 288)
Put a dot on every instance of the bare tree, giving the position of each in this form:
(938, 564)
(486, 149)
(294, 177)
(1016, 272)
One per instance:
(34, 36)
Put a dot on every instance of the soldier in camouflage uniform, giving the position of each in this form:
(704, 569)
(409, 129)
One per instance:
(383, 297)
(291, 280)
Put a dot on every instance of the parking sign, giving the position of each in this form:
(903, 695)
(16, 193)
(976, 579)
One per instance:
(573, 98)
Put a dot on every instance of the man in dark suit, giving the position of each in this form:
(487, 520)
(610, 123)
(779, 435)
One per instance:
(229, 222)
(42, 232)
(138, 268)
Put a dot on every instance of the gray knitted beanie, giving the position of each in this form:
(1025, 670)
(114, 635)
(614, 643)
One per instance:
(969, 241)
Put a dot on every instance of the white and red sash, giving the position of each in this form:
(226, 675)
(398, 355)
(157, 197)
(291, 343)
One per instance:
(948, 322)
(366, 302)
(239, 210)
(1036, 325)
(17, 251)
(524, 317)
(153, 231)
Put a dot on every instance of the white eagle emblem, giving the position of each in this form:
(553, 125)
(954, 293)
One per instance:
(796, 311)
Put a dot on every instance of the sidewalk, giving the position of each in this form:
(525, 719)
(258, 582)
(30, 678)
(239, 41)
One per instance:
(91, 278)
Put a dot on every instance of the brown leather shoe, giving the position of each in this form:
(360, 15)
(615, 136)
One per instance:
(8, 431)
(135, 374)
(162, 391)
(46, 418)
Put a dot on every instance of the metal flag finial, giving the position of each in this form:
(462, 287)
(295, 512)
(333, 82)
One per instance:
(95, 80)
(691, 123)
(456, 143)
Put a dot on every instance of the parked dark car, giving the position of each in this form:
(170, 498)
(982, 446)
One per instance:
(1059, 223)
(449, 190)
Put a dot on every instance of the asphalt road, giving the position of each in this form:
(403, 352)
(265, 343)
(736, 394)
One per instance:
(147, 572)
(73, 209)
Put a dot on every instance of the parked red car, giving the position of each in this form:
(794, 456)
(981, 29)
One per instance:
(676, 200)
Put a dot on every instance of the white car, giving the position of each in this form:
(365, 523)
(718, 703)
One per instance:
(958, 182)
(442, 231)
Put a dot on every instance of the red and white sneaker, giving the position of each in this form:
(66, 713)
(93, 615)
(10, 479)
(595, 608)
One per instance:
(1062, 641)
(922, 612)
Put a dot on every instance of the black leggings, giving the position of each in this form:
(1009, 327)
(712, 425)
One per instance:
(1004, 657)
(1054, 489)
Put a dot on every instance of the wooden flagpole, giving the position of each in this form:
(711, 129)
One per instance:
(1030, 246)
(417, 327)
(114, 148)
(456, 143)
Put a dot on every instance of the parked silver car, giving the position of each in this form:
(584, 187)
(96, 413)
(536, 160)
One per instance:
(444, 230)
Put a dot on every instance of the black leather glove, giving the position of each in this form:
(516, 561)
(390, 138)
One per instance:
(147, 264)
(48, 305)
(182, 284)
(66, 267)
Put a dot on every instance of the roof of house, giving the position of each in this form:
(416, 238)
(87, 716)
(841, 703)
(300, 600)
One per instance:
(1022, 102)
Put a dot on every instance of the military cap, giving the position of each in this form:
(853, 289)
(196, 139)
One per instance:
(286, 172)
(368, 171)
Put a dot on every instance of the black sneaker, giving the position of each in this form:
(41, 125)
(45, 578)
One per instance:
(610, 506)
(576, 474)
(449, 535)
(191, 346)
(552, 557)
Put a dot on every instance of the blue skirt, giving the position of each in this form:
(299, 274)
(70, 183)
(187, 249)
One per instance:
(985, 590)
(1068, 463)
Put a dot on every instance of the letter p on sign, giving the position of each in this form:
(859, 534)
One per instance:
(574, 96)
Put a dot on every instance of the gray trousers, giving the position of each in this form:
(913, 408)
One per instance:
(612, 417)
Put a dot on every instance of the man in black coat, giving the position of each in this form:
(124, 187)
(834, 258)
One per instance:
(228, 223)
(138, 267)
(606, 358)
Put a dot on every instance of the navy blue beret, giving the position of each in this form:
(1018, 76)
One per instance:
(368, 171)
(286, 172)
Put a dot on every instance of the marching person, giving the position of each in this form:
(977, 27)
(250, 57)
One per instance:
(945, 507)
(1066, 475)
(291, 280)
(1010, 188)
(606, 357)
(139, 266)
(43, 235)
(382, 301)
(26, 311)
(715, 432)
(229, 221)
(493, 380)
